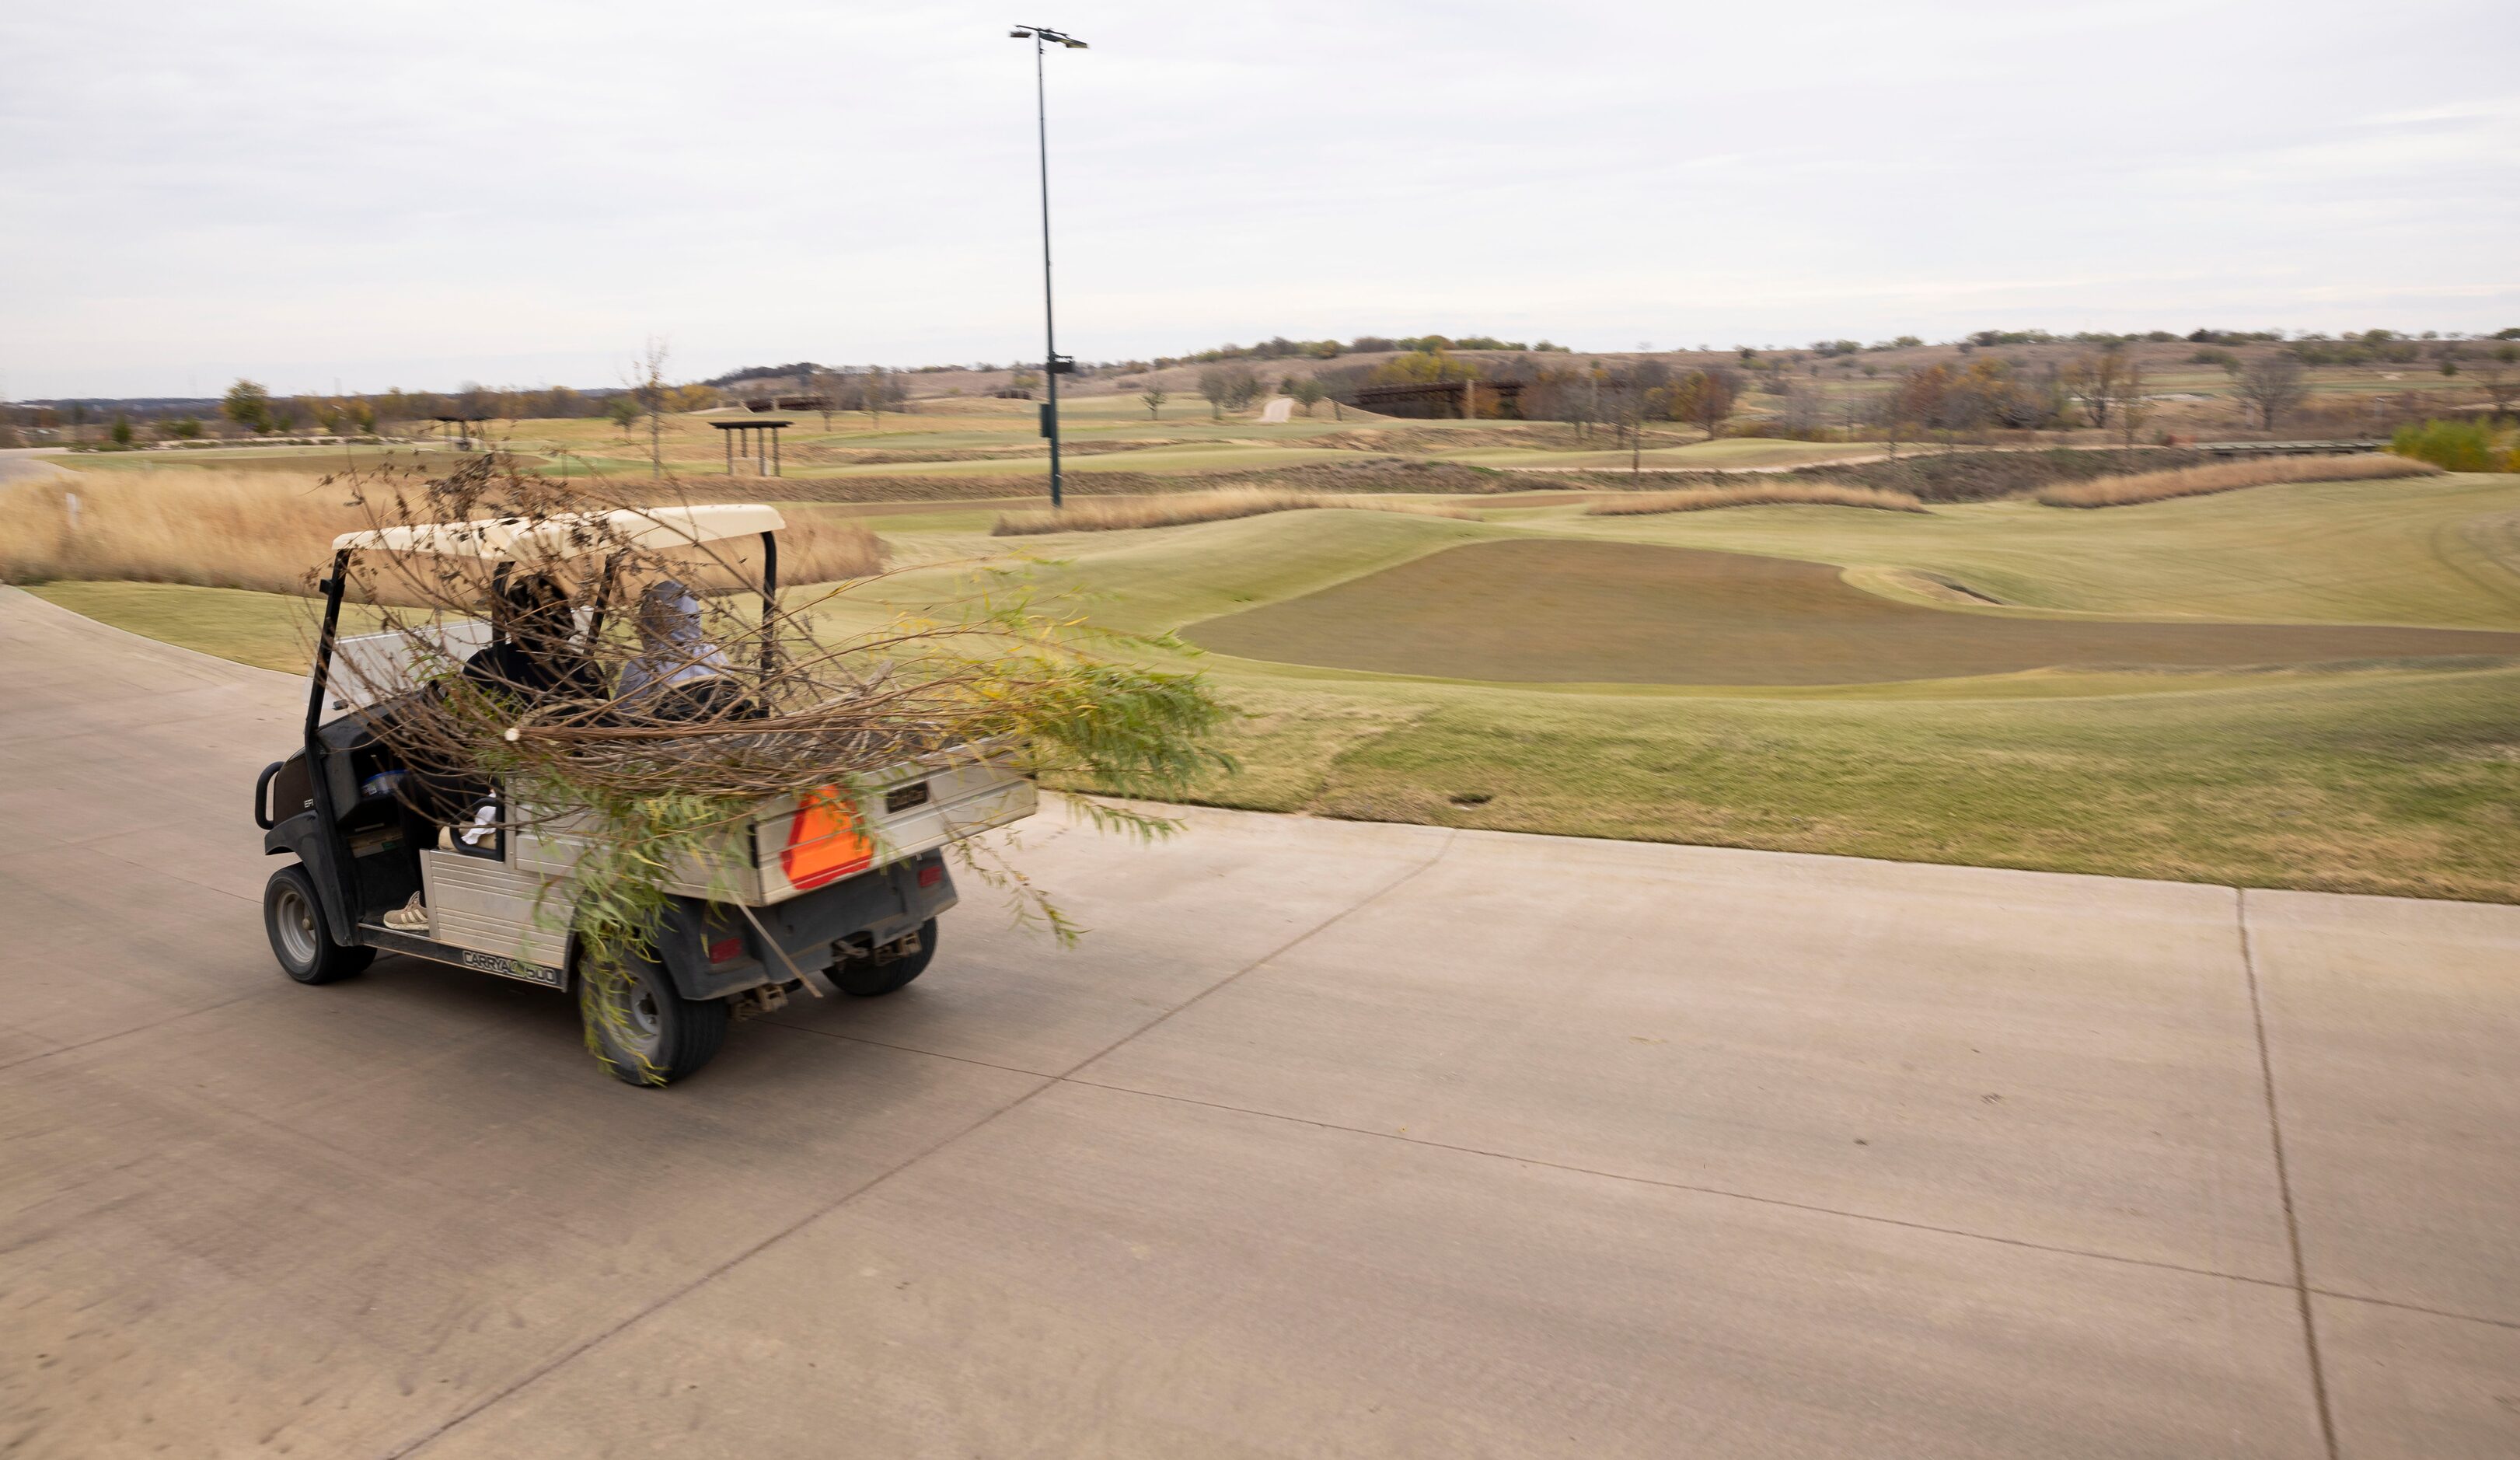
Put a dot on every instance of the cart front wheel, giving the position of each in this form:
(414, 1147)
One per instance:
(641, 1028)
(293, 917)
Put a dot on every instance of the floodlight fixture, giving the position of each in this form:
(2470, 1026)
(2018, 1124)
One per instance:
(1054, 364)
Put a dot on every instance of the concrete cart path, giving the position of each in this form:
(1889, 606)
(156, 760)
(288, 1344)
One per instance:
(1329, 1139)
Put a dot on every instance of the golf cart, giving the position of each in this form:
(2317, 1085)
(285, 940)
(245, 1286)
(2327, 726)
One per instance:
(838, 890)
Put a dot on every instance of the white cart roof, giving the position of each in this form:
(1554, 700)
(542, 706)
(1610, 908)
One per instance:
(511, 538)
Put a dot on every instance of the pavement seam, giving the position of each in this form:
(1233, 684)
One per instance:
(2416, 1307)
(2283, 1177)
(593, 1341)
(141, 1029)
(1273, 955)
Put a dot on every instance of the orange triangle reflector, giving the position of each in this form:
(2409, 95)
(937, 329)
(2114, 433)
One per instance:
(826, 841)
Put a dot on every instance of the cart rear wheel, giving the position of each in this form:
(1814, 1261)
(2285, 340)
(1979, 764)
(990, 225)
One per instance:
(293, 917)
(642, 1029)
(865, 979)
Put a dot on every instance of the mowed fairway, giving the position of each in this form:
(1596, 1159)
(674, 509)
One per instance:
(1618, 613)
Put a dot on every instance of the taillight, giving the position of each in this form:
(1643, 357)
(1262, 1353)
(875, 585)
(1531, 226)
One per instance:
(726, 950)
(931, 874)
(826, 841)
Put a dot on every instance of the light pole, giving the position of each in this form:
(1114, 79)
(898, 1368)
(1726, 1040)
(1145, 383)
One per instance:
(1053, 365)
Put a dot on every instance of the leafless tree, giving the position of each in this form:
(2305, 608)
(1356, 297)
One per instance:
(2273, 383)
(826, 389)
(2135, 408)
(1155, 395)
(1802, 410)
(2499, 374)
(2097, 382)
(648, 381)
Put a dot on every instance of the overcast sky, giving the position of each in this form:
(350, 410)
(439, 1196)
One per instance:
(518, 192)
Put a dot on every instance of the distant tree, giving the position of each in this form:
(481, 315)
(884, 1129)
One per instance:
(2135, 408)
(873, 391)
(622, 411)
(2499, 374)
(248, 405)
(648, 384)
(1229, 388)
(2273, 385)
(1705, 398)
(184, 429)
(827, 393)
(1802, 411)
(1309, 393)
(1024, 378)
(121, 430)
(2095, 381)
(282, 415)
(1154, 397)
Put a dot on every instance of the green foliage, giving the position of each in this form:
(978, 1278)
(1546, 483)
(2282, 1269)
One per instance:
(123, 431)
(248, 405)
(1421, 368)
(2452, 445)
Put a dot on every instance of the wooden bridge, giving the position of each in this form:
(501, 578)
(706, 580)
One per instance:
(2290, 448)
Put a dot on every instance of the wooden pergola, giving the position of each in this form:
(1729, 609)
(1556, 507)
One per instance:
(762, 443)
(464, 428)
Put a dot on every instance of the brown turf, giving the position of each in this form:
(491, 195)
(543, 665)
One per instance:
(1610, 613)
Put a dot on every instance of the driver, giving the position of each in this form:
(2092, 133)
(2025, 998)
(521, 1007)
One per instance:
(529, 663)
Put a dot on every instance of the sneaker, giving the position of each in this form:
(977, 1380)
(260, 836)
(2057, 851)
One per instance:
(411, 917)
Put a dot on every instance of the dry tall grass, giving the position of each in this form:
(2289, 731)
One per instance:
(1103, 516)
(2228, 476)
(266, 530)
(1757, 494)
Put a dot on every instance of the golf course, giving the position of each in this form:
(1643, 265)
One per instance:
(2312, 685)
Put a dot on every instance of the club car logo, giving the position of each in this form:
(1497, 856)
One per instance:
(513, 968)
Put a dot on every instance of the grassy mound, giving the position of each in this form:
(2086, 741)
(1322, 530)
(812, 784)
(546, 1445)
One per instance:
(1538, 611)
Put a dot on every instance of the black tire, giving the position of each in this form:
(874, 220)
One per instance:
(865, 979)
(641, 1027)
(293, 918)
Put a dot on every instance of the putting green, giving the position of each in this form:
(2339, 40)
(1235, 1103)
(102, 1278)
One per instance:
(1544, 611)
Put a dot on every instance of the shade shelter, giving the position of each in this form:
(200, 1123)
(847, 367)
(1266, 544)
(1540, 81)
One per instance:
(762, 443)
(463, 428)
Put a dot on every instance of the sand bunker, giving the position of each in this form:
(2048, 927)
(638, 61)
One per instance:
(1611, 613)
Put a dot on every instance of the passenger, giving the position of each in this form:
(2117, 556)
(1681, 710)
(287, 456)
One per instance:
(679, 674)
